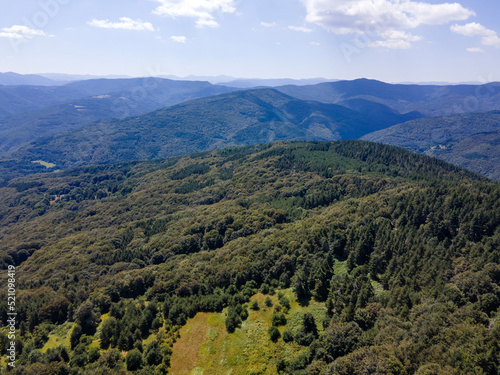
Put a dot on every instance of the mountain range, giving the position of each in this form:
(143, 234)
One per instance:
(470, 140)
(234, 119)
(154, 226)
(33, 111)
(429, 100)
(110, 120)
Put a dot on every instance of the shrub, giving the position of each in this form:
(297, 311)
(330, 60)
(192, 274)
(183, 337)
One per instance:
(268, 302)
(274, 334)
(287, 336)
(133, 360)
(278, 319)
(254, 305)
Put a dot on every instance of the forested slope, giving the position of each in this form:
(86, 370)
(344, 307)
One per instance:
(235, 119)
(402, 250)
(468, 140)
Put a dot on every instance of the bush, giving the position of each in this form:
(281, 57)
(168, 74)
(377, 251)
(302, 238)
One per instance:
(86, 317)
(310, 324)
(93, 355)
(278, 319)
(268, 302)
(264, 288)
(133, 360)
(254, 305)
(233, 320)
(76, 333)
(287, 336)
(285, 302)
(304, 338)
(110, 359)
(274, 334)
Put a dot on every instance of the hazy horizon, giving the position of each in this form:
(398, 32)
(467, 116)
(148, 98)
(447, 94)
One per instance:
(69, 77)
(387, 40)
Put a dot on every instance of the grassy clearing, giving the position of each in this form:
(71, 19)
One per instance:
(340, 268)
(44, 163)
(59, 336)
(205, 347)
(377, 287)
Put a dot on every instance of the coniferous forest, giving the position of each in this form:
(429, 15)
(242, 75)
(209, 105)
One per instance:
(358, 258)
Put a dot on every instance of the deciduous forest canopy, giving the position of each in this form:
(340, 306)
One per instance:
(401, 251)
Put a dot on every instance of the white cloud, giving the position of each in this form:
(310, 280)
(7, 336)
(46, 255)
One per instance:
(20, 32)
(124, 24)
(472, 29)
(395, 39)
(488, 37)
(392, 44)
(268, 24)
(202, 10)
(491, 40)
(475, 50)
(178, 39)
(300, 28)
(378, 17)
(314, 43)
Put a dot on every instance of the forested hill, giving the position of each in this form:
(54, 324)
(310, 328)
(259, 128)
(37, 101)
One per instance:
(428, 100)
(29, 112)
(238, 118)
(470, 140)
(397, 253)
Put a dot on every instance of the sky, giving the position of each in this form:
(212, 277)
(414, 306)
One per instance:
(388, 40)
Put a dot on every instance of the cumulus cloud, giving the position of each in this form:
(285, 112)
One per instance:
(268, 24)
(300, 28)
(20, 32)
(396, 39)
(178, 38)
(379, 17)
(472, 29)
(124, 24)
(475, 50)
(202, 10)
(488, 37)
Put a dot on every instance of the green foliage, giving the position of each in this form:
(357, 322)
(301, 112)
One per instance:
(133, 360)
(451, 138)
(307, 332)
(86, 318)
(287, 336)
(274, 333)
(233, 320)
(278, 319)
(268, 302)
(405, 258)
(76, 333)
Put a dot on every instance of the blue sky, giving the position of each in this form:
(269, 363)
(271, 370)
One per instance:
(389, 40)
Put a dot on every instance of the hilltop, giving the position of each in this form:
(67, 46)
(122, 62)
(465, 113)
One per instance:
(103, 121)
(470, 140)
(234, 119)
(399, 250)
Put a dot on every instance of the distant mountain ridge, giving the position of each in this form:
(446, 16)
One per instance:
(429, 100)
(238, 118)
(15, 79)
(53, 118)
(469, 140)
(31, 112)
